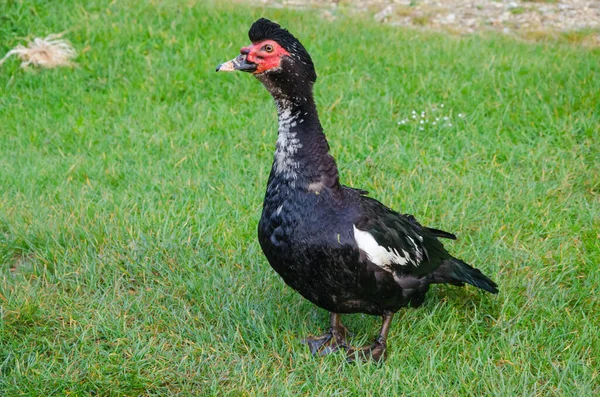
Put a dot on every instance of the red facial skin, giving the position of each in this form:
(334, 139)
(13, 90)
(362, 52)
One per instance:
(257, 53)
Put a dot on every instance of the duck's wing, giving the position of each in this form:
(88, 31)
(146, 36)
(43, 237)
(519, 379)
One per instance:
(435, 232)
(395, 242)
(354, 191)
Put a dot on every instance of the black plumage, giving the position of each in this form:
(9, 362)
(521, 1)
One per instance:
(340, 249)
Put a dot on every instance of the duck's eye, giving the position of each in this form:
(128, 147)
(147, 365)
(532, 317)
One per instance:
(268, 48)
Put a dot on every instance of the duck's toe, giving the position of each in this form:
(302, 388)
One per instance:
(376, 352)
(331, 341)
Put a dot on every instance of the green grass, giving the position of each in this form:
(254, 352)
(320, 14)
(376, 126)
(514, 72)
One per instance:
(131, 187)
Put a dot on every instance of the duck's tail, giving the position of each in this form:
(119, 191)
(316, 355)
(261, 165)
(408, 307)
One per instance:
(456, 272)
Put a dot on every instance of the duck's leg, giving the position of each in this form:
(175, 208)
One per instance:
(375, 351)
(332, 340)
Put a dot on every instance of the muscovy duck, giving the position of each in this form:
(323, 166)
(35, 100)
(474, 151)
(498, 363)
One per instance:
(340, 249)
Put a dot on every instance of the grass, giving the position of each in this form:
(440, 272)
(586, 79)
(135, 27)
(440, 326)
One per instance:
(132, 186)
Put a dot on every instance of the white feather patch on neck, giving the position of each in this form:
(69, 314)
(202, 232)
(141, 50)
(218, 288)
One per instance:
(287, 143)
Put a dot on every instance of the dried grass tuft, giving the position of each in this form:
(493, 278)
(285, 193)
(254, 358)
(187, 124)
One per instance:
(47, 53)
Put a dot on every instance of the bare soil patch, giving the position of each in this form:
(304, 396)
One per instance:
(576, 21)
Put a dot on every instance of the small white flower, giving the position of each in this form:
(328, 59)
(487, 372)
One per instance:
(413, 112)
(446, 118)
(437, 119)
(450, 125)
(414, 116)
(421, 122)
(421, 128)
(434, 123)
(461, 115)
(442, 105)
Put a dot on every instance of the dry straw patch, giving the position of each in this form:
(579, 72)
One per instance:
(48, 53)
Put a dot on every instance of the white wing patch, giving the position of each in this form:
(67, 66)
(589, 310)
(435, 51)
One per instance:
(381, 256)
(417, 251)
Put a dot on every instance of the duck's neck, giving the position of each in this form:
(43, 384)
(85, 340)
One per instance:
(302, 154)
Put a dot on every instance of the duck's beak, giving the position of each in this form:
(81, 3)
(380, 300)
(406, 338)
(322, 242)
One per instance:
(240, 63)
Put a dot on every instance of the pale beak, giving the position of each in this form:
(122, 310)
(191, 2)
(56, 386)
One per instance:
(240, 63)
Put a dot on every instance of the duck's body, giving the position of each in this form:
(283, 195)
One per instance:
(306, 254)
(309, 239)
(339, 248)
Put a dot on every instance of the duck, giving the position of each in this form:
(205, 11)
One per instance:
(335, 245)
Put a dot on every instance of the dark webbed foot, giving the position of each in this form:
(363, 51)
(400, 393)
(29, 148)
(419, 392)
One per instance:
(376, 352)
(331, 341)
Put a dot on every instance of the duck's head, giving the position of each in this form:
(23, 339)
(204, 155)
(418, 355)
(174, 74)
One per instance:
(277, 59)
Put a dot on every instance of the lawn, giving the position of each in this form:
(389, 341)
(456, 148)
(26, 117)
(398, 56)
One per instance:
(131, 187)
